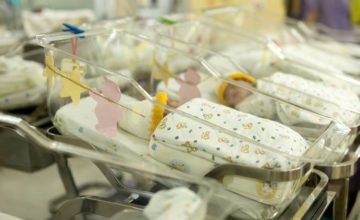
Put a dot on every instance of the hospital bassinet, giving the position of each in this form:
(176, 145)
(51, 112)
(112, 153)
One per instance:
(289, 38)
(258, 59)
(117, 68)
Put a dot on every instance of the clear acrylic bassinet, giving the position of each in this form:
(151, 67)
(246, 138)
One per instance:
(291, 39)
(260, 59)
(103, 83)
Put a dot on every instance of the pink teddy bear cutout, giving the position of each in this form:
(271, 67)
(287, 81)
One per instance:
(188, 87)
(107, 112)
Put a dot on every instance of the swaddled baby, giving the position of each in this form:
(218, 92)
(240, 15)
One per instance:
(333, 102)
(196, 148)
(21, 83)
(263, 63)
(208, 135)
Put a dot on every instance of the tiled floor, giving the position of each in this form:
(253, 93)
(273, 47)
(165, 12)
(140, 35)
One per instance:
(28, 195)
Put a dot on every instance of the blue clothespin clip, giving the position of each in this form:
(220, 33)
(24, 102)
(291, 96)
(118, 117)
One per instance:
(73, 29)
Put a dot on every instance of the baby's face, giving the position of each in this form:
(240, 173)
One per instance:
(173, 103)
(234, 95)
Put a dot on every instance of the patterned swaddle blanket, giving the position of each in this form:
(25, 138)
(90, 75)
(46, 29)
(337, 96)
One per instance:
(336, 103)
(196, 148)
(325, 95)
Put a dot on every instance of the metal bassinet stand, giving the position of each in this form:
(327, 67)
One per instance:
(339, 175)
(312, 200)
(16, 151)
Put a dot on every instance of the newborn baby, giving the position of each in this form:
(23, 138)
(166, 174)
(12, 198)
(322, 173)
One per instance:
(21, 83)
(197, 142)
(230, 94)
(263, 63)
(195, 147)
(326, 100)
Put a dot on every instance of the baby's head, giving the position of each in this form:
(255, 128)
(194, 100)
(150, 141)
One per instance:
(231, 95)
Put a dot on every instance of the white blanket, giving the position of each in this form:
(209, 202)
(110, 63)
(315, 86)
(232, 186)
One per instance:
(51, 20)
(178, 203)
(8, 40)
(21, 83)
